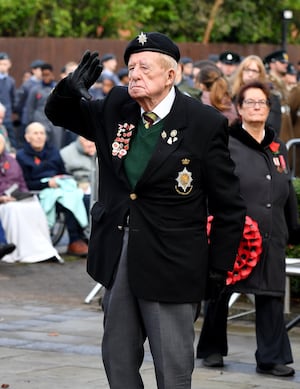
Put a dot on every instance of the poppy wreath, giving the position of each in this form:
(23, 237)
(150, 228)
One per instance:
(248, 253)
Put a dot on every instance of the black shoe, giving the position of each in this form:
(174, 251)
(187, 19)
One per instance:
(213, 360)
(6, 248)
(276, 370)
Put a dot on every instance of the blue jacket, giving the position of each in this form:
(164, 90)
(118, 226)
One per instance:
(7, 96)
(37, 165)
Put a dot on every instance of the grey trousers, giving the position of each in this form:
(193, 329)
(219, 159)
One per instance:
(128, 321)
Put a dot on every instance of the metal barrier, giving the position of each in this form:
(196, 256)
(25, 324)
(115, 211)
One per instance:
(292, 145)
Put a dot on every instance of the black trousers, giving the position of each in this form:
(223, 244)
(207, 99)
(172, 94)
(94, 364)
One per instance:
(273, 345)
(75, 231)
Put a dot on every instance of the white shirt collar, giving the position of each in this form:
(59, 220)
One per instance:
(164, 107)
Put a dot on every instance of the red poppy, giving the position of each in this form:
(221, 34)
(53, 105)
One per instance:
(249, 251)
(37, 161)
(274, 147)
(6, 165)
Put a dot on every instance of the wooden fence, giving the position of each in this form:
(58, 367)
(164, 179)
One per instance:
(59, 51)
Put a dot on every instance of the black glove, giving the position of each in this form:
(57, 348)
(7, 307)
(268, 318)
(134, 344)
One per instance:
(216, 284)
(85, 75)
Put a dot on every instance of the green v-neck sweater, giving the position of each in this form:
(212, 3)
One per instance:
(140, 150)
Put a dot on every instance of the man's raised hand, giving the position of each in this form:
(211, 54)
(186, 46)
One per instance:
(85, 75)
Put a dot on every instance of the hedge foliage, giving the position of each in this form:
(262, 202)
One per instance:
(294, 251)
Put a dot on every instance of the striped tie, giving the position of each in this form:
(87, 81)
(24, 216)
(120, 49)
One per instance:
(149, 118)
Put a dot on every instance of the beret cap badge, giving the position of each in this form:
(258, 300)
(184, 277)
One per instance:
(142, 38)
(152, 41)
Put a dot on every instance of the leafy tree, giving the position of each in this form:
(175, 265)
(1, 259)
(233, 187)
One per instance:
(239, 21)
(249, 22)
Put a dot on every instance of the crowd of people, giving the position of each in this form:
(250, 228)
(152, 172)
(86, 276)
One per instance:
(177, 140)
(39, 149)
(25, 103)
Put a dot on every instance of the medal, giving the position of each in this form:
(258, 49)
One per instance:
(184, 181)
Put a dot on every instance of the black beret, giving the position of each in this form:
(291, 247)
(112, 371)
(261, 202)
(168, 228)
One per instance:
(152, 41)
(230, 58)
(291, 69)
(185, 60)
(4, 55)
(107, 57)
(279, 55)
(37, 63)
(106, 76)
(123, 72)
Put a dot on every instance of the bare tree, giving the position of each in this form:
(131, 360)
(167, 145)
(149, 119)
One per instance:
(211, 20)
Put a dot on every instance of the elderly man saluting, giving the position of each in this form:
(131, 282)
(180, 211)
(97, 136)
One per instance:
(163, 159)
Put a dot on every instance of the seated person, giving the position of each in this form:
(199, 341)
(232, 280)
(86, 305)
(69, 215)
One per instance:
(3, 130)
(79, 159)
(23, 221)
(44, 170)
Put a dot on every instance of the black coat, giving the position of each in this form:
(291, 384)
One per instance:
(168, 254)
(271, 201)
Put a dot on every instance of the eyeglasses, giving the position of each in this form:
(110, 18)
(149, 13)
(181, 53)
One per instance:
(252, 103)
(248, 70)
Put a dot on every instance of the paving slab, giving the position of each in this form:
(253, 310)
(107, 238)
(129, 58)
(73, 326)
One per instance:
(50, 339)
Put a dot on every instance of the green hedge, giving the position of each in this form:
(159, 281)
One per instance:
(294, 251)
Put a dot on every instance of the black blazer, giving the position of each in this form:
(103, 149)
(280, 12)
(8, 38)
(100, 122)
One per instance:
(190, 170)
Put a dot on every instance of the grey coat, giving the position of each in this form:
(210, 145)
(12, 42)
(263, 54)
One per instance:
(77, 162)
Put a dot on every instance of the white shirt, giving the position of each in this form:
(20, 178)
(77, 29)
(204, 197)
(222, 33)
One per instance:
(164, 107)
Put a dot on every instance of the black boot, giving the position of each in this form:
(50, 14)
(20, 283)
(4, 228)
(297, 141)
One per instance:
(6, 248)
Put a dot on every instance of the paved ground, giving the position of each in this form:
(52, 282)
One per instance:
(50, 339)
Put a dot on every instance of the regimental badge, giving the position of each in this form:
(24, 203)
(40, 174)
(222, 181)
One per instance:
(164, 134)
(142, 38)
(172, 137)
(185, 161)
(184, 181)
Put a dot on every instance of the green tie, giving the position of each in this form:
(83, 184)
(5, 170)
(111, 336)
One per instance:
(149, 118)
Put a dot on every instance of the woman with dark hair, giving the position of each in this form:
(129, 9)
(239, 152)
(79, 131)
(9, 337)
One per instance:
(262, 167)
(251, 69)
